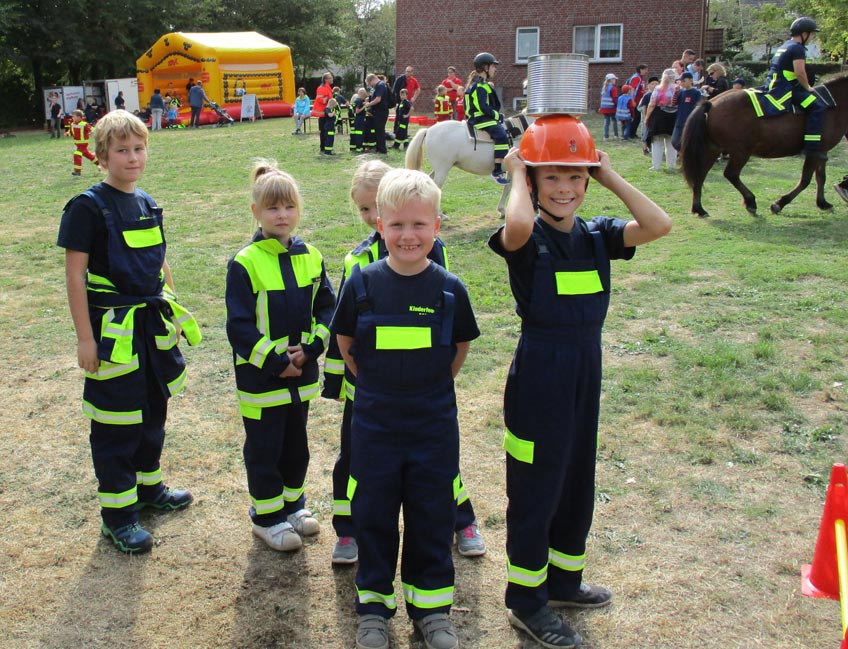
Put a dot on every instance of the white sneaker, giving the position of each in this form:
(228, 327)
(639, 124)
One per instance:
(303, 523)
(280, 537)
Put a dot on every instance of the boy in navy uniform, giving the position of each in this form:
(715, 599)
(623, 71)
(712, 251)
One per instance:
(403, 326)
(687, 98)
(127, 322)
(402, 111)
(357, 129)
(559, 274)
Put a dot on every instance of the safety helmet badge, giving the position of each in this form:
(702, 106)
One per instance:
(572, 145)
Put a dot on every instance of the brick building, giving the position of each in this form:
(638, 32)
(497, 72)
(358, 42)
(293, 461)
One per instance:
(616, 34)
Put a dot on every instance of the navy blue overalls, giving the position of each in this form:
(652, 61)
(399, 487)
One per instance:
(370, 250)
(132, 314)
(551, 406)
(405, 451)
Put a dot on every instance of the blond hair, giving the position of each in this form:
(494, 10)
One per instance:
(271, 186)
(368, 175)
(401, 186)
(717, 67)
(116, 125)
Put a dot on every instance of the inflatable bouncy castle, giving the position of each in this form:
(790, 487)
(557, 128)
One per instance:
(230, 65)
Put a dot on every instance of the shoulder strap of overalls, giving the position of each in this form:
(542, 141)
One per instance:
(97, 200)
(448, 309)
(602, 259)
(363, 303)
(147, 198)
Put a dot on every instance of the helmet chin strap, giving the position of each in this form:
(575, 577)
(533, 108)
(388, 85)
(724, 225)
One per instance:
(534, 195)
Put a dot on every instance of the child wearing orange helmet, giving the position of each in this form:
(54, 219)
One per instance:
(559, 274)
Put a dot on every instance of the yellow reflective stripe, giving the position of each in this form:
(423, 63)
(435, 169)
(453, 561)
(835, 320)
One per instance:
(169, 340)
(117, 501)
(812, 138)
(789, 75)
(752, 95)
(260, 351)
(262, 312)
(148, 478)
(570, 562)
(370, 597)
(351, 487)
(349, 390)
(110, 416)
(320, 331)
(333, 365)
(291, 494)
(520, 449)
(176, 386)
(403, 338)
(775, 102)
(108, 370)
(143, 238)
(460, 495)
(421, 598)
(341, 508)
(268, 505)
(100, 279)
(307, 392)
(525, 577)
(584, 282)
(809, 100)
(280, 397)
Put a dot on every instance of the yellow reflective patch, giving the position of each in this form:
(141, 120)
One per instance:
(520, 449)
(403, 338)
(143, 238)
(584, 282)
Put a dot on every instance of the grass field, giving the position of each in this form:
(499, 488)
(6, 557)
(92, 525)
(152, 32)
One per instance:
(724, 407)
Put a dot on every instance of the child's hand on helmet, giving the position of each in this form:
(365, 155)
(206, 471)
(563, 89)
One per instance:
(514, 162)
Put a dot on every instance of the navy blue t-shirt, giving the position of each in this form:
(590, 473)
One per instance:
(576, 244)
(686, 102)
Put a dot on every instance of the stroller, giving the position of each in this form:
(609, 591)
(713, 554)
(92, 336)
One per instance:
(224, 118)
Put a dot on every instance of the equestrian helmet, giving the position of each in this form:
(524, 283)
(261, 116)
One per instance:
(801, 25)
(558, 140)
(483, 59)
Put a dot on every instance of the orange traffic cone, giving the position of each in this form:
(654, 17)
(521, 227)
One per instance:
(821, 579)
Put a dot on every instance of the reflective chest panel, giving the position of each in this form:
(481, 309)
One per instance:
(136, 248)
(404, 352)
(569, 295)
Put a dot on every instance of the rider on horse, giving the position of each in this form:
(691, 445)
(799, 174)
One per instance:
(482, 107)
(787, 81)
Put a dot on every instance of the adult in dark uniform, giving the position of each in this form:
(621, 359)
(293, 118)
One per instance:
(378, 106)
(787, 81)
(559, 272)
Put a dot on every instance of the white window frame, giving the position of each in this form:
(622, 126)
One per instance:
(596, 54)
(525, 32)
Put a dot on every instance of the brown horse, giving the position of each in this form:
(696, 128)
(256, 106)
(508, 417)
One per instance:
(728, 124)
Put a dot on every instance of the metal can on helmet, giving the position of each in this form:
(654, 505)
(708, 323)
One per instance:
(801, 25)
(483, 59)
(561, 140)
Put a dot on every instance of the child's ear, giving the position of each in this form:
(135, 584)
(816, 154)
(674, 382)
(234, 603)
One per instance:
(254, 209)
(438, 225)
(379, 224)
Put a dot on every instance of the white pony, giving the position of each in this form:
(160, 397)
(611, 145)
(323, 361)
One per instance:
(450, 144)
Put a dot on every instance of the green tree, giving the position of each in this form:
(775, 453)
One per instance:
(830, 15)
(770, 26)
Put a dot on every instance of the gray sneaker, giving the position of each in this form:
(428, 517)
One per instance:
(303, 522)
(469, 541)
(589, 596)
(372, 632)
(438, 631)
(345, 551)
(546, 628)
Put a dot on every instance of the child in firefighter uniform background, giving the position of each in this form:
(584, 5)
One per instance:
(80, 131)
(559, 273)
(279, 305)
(127, 321)
(403, 326)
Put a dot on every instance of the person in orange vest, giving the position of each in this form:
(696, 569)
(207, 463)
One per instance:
(442, 105)
(80, 130)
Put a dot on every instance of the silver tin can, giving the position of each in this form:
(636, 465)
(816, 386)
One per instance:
(557, 83)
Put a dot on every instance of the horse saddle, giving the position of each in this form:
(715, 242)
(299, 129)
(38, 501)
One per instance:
(766, 105)
(515, 127)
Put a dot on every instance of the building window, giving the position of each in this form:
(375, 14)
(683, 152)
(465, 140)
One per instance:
(526, 44)
(599, 42)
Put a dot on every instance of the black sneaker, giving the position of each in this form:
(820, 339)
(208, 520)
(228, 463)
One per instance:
(546, 628)
(132, 538)
(588, 597)
(842, 190)
(168, 500)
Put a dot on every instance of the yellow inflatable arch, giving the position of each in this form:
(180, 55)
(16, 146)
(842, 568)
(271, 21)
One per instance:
(225, 62)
